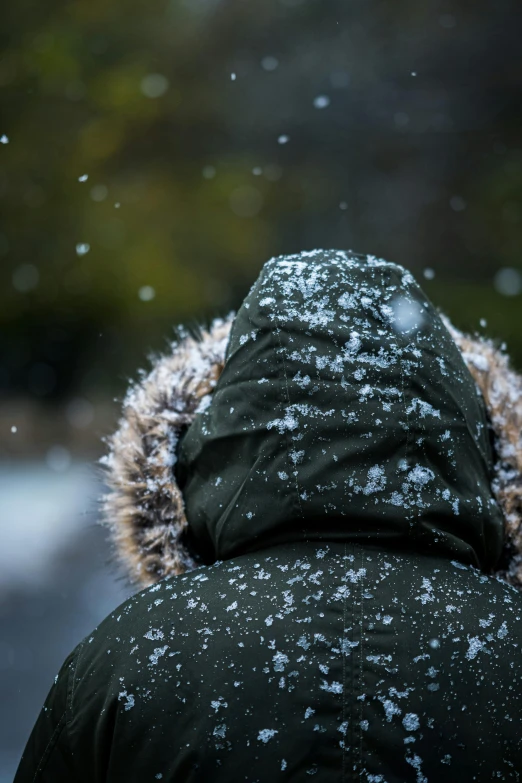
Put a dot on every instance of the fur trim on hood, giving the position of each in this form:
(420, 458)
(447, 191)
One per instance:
(501, 388)
(145, 509)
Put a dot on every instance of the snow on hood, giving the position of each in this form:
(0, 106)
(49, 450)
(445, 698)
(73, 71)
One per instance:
(145, 507)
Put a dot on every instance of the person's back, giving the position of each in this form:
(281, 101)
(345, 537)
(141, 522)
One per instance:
(340, 621)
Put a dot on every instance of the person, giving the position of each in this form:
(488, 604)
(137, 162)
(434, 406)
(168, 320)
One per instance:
(321, 500)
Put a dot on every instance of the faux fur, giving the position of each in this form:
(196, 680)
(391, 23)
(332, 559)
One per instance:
(145, 509)
(501, 388)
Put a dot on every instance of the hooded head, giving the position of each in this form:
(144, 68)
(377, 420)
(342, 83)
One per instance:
(335, 405)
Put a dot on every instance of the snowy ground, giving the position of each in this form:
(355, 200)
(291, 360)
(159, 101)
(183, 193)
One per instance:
(56, 584)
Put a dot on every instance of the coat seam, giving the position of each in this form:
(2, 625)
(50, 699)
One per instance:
(72, 677)
(361, 659)
(356, 674)
(296, 483)
(70, 696)
(50, 745)
(421, 423)
(344, 683)
(353, 674)
(409, 516)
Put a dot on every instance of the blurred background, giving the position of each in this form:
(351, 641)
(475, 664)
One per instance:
(152, 156)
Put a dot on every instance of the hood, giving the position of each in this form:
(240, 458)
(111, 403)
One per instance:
(336, 405)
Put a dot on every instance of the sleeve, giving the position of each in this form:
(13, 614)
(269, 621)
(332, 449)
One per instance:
(48, 756)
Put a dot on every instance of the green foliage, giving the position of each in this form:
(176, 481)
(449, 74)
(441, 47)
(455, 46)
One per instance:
(188, 189)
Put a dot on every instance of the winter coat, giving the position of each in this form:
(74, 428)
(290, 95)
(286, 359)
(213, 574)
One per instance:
(322, 498)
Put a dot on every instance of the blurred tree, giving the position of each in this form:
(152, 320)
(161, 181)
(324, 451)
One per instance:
(158, 152)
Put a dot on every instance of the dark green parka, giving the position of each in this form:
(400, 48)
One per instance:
(320, 500)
